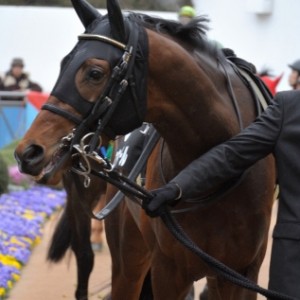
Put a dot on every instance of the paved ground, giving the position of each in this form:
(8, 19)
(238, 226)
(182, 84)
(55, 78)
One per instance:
(41, 281)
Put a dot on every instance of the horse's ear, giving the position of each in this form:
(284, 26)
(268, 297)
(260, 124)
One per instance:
(116, 20)
(85, 11)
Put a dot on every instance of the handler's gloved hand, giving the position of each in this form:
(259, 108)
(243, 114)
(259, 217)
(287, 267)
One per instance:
(166, 195)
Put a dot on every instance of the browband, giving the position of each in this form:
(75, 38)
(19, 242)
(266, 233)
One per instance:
(102, 38)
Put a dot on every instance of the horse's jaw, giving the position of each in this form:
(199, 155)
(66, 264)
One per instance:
(52, 173)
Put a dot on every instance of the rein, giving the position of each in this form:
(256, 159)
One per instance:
(126, 185)
(138, 194)
(133, 190)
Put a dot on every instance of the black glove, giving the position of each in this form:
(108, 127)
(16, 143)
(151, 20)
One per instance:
(166, 195)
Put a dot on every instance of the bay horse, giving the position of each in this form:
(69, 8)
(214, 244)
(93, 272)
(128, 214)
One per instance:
(270, 80)
(131, 68)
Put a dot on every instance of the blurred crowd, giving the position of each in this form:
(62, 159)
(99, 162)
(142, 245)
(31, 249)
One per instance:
(16, 79)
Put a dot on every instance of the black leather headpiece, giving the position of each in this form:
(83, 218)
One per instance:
(128, 114)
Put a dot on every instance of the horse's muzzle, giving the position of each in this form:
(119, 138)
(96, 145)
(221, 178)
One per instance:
(30, 161)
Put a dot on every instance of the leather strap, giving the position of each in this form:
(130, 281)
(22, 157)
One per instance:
(63, 113)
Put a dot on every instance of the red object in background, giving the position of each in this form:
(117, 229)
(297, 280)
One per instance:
(271, 82)
(37, 99)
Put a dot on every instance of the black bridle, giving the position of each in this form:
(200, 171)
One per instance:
(103, 108)
(85, 139)
(104, 101)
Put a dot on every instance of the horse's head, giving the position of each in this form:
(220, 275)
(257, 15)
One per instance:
(102, 77)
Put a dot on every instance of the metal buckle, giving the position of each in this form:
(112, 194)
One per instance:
(84, 167)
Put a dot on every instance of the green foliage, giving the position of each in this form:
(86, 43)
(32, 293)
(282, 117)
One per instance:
(7, 153)
(6, 159)
(4, 178)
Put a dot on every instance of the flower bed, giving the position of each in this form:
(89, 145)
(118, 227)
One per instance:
(22, 215)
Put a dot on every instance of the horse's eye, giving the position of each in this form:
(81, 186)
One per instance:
(95, 74)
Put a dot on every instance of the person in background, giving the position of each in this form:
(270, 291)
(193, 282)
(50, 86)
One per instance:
(186, 14)
(270, 81)
(16, 79)
(294, 77)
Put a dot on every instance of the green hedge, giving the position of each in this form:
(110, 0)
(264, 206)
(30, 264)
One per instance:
(6, 160)
(4, 178)
(7, 153)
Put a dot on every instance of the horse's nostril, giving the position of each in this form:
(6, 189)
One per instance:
(29, 160)
(33, 153)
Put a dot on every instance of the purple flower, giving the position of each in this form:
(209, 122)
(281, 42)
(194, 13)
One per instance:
(22, 215)
(16, 177)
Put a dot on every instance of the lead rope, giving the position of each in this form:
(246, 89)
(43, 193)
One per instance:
(133, 190)
(219, 267)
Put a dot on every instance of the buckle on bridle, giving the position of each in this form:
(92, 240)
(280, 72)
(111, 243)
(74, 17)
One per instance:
(85, 157)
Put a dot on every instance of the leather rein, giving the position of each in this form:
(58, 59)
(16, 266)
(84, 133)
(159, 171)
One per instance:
(86, 145)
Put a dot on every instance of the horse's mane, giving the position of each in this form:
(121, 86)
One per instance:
(192, 34)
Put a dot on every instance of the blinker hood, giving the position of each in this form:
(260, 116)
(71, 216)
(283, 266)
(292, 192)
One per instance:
(65, 88)
(128, 114)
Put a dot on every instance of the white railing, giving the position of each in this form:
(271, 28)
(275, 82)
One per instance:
(8, 98)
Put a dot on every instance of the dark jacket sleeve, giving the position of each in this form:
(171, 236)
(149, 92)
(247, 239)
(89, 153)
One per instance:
(230, 159)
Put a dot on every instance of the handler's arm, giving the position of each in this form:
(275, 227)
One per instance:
(232, 158)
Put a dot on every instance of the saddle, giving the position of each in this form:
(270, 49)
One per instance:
(247, 72)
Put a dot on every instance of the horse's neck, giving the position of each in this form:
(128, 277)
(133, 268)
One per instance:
(184, 104)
